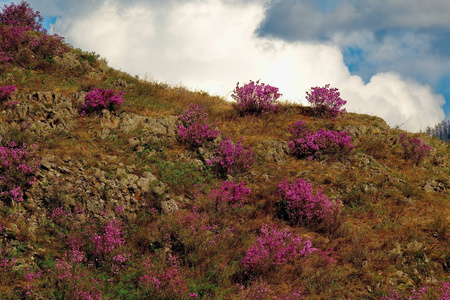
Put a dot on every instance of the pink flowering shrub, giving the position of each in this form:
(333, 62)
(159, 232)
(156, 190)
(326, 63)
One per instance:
(194, 129)
(317, 145)
(163, 283)
(441, 292)
(18, 166)
(308, 208)
(94, 254)
(230, 194)
(275, 247)
(326, 101)
(260, 290)
(414, 149)
(23, 40)
(6, 92)
(100, 99)
(21, 15)
(231, 158)
(255, 98)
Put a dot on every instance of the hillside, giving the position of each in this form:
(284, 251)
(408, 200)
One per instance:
(117, 204)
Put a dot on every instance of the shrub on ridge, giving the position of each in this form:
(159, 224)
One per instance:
(23, 41)
(255, 97)
(414, 149)
(326, 101)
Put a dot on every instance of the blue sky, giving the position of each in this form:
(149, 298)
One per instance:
(388, 57)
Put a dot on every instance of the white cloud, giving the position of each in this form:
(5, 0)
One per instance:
(211, 44)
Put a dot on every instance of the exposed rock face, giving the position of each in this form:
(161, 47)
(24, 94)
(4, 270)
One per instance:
(153, 130)
(70, 184)
(275, 151)
(44, 111)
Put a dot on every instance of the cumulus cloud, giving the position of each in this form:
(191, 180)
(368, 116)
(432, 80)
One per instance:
(211, 44)
(406, 36)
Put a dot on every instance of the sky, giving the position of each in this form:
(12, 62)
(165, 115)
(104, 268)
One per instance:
(388, 58)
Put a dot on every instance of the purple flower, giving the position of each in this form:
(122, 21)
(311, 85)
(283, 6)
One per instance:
(100, 99)
(306, 207)
(231, 158)
(194, 129)
(255, 98)
(326, 101)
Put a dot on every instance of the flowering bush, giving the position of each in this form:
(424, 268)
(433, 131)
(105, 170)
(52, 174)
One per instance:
(255, 98)
(414, 149)
(231, 158)
(23, 40)
(230, 194)
(308, 208)
(166, 283)
(326, 101)
(21, 15)
(18, 166)
(6, 92)
(260, 290)
(275, 247)
(316, 145)
(100, 99)
(195, 130)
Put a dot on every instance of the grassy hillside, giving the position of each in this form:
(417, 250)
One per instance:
(120, 207)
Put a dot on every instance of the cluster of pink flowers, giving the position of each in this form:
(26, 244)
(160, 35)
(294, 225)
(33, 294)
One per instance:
(306, 207)
(326, 101)
(22, 38)
(231, 158)
(194, 129)
(414, 149)
(421, 293)
(18, 166)
(168, 282)
(230, 194)
(255, 98)
(6, 92)
(110, 239)
(100, 99)
(275, 247)
(260, 290)
(315, 145)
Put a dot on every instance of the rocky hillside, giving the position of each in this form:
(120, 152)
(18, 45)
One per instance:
(121, 203)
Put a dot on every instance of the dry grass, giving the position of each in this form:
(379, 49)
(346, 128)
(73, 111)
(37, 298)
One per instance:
(385, 207)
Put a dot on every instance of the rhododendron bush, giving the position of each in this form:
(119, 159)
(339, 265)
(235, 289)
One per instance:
(194, 129)
(308, 208)
(230, 194)
(319, 144)
(326, 102)
(275, 247)
(414, 149)
(255, 97)
(23, 40)
(231, 158)
(18, 166)
(6, 92)
(100, 99)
